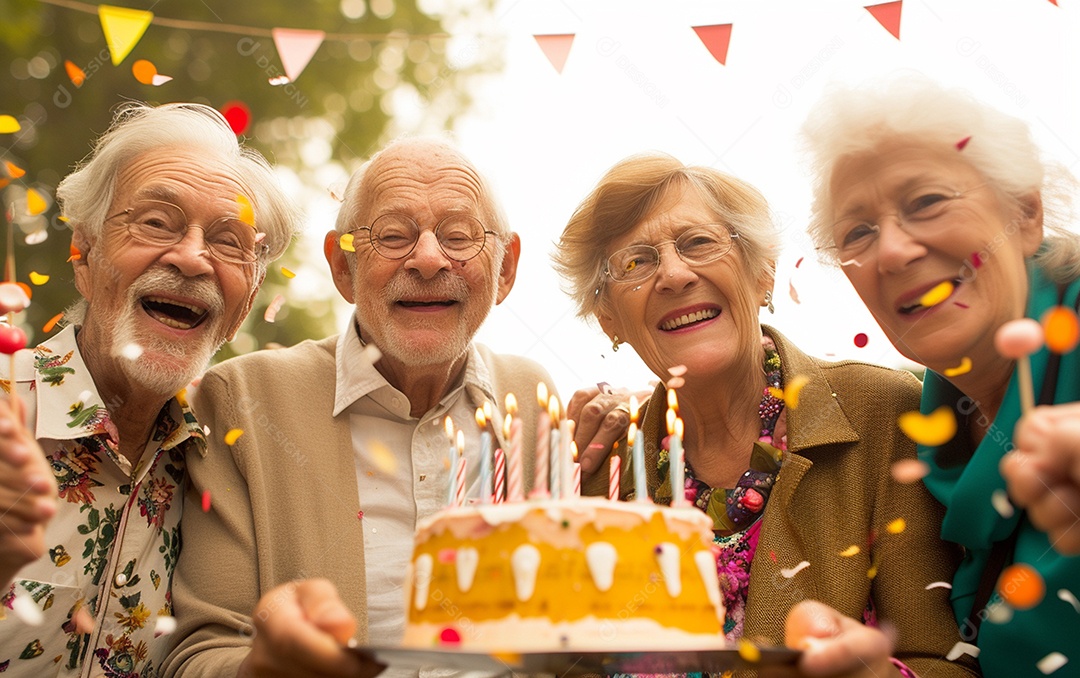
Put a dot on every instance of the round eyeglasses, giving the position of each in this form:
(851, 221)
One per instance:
(156, 222)
(697, 245)
(394, 236)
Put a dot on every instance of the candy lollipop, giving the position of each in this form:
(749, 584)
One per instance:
(13, 299)
(1017, 339)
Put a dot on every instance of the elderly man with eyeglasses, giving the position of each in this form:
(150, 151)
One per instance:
(174, 223)
(342, 450)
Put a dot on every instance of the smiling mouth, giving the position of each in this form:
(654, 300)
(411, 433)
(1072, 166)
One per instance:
(445, 303)
(174, 314)
(689, 319)
(918, 305)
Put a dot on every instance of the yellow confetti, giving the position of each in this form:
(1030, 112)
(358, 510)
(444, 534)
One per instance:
(936, 428)
(346, 242)
(748, 651)
(8, 124)
(35, 204)
(383, 458)
(872, 572)
(963, 368)
(76, 74)
(937, 295)
(13, 170)
(897, 526)
(232, 436)
(790, 395)
(852, 550)
(247, 212)
(38, 278)
(287, 273)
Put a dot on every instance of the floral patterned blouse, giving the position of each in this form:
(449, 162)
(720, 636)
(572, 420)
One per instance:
(113, 545)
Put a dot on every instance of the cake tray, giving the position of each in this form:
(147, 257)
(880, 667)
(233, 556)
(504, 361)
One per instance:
(580, 662)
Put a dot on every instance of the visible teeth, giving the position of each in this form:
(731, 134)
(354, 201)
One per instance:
(172, 322)
(162, 300)
(690, 318)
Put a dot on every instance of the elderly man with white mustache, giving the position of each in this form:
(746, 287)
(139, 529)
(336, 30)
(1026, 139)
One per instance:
(174, 224)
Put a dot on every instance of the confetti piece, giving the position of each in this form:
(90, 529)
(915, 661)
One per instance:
(132, 351)
(74, 253)
(206, 501)
(287, 273)
(232, 436)
(897, 526)
(4, 181)
(259, 237)
(999, 499)
(799, 262)
(791, 392)
(677, 370)
(1068, 597)
(861, 340)
(279, 80)
(960, 649)
(144, 71)
(748, 651)
(38, 278)
(75, 74)
(976, 260)
(963, 368)
(382, 457)
(962, 143)
(1052, 662)
(346, 242)
(206, 430)
(676, 382)
(159, 80)
(26, 288)
(852, 550)
(1021, 586)
(49, 326)
(164, 626)
(35, 204)
(13, 297)
(238, 116)
(85, 396)
(908, 471)
(13, 170)
(938, 294)
(247, 212)
(872, 572)
(360, 514)
(273, 308)
(789, 572)
(1062, 329)
(27, 611)
(939, 585)
(793, 293)
(8, 124)
(936, 428)
(371, 354)
(449, 636)
(998, 613)
(36, 237)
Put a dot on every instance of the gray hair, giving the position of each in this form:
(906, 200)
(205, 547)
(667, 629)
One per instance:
(87, 193)
(856, 120)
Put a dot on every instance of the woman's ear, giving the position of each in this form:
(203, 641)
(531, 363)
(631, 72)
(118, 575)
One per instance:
(1030, 221)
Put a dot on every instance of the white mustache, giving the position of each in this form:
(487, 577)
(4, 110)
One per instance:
(443, 286)
(163, 279)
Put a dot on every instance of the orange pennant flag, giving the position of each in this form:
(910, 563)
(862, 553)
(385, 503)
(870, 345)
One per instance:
(556, 48)
(123, 29)
(888, 15)
(295, 49)
(716, 39)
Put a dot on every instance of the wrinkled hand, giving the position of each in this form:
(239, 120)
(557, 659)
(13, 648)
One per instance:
(1043, 472)
(835, 645)
(27, 493)
(600, 419)
(301, 629)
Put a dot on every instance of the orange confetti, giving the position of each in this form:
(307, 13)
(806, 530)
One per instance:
(38, 278)
(287, 273)
(936, 428)
(897, 526)
(75, 254)
(35, 204)
(8, 124)
(790, 395)
(1061, 329)
(49, 326)
(233, 435)
(144, 71)
(1021, 586)
(852, 550)
(75, 74)
(748, 651)
(247, 212)
(963, 368)
(13, 170)
(26, 288)
(273, 308)
(4, 181)
(346, 242)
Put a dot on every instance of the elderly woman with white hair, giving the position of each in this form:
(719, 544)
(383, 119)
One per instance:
(676, 261)
(949, 225)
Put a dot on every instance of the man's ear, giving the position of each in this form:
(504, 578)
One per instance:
(339, 265)
(81, 265)
(508, 271)
(1030, 220)
(247, 307)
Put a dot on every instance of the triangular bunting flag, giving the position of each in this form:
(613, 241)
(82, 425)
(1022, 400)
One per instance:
(556, 48)
(123, 28)
(295, 48)
(888, 15)
(716, 39)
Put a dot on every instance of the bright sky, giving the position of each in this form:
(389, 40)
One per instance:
(638, 78)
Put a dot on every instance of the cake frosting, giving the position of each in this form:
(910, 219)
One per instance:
(579, 573)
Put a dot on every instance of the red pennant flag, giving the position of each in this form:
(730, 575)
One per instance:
(716, 39)
(888, 15)
(556, 48)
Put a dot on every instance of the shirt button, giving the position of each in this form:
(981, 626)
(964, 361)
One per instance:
(121, 579)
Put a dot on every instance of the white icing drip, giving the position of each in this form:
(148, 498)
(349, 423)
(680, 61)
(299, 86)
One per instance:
(668, 555)
(601, 557)
(526, 563)
(706, 565)
(466, 561)
(422, 579)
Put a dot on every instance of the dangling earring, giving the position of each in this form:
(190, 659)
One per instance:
(615, 343)
(768, 302)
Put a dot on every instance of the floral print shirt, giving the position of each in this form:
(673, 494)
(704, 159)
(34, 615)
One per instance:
(113, 544)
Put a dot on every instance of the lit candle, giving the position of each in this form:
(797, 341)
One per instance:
(676, 467)
(554, 457)
(567, 455)
(543, 435)
(641, 491)
(459, 499)
(500, 476)
(512, 434)
(485, 456)
(614, 477)
(577, 468)
(452, 466)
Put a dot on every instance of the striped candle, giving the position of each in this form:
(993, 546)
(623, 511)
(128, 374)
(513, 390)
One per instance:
(500, 476)
(614, 477)
(459, 499)
(512, 433)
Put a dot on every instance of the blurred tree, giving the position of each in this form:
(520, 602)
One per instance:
(405, 74)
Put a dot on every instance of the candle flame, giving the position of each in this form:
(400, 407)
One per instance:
(460, 442)
(672, 400)
(634, 409)
(631, 433)
(489, 411)
(573, 450)
(670, 418)
(506, 425)
(448, 424)
(481, 418)
(511, 403)
(553, 409)
(542, 395)
(679, 427)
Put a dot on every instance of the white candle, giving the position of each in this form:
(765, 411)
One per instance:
(566, 458)
(641, 490)
(543, 434)
(678, 465)
(485, 457)
(554, 458)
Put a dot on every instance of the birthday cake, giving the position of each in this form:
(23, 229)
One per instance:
(576, 573)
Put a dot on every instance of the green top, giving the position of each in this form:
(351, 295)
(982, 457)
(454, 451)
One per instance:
(1009, 647)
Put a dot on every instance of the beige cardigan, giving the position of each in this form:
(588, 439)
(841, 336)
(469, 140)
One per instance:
(285, 497)
(834, 491)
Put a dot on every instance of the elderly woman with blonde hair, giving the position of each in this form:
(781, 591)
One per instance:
(676, 262)
(949, 225)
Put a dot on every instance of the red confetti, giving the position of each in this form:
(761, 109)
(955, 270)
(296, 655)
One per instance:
(799, 262)
(976, 260)
(861, 339)
(359, 515)
(450, 636)
(75, 253)
(206, 501)
(238, 115)
(963, 142)
(772, 555)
